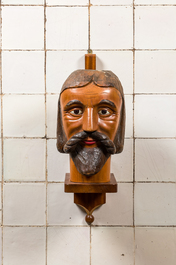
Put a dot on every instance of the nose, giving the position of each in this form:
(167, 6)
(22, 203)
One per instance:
(90, 120)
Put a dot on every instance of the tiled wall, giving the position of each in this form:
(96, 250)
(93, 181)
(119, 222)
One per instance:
(43, 41)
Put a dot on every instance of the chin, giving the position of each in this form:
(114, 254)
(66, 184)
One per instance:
(89, 161)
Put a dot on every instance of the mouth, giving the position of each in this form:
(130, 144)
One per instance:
(89, 141)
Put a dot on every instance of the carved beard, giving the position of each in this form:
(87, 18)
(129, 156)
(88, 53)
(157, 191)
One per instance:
(89, 161)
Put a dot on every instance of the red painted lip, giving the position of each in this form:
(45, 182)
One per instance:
(90, 142)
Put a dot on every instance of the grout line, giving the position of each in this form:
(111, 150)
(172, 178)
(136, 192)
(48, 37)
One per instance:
(154, 94)
(89, 25)
(20, 5)
(110, 49)
(125, 5)
(32, 182)
(58, 6)
(136, 226)
(136, 5)
(134, 129)
(131, 5)
(154, 226)
(54, 138)
(101, 225)
(62, 182)
(155, 138)
(38, 5)
(40, 50)
(26, 138)
(150, 181)
(56, 94)
(160, 5)
(67, 6)
(2, 143)
(133, 105)
(72, 50)
(46, 173)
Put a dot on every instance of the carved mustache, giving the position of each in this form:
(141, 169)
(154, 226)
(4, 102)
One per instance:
(103, 139)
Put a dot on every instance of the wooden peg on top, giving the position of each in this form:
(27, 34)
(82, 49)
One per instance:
(90, 60)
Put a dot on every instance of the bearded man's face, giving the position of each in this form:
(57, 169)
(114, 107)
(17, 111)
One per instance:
(90, 116)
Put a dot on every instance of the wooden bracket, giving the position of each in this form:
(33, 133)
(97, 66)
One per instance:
(90, 195)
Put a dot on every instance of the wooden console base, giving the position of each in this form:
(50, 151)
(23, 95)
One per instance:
(90, 195)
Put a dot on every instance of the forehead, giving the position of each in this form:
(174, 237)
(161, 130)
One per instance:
(91, 95)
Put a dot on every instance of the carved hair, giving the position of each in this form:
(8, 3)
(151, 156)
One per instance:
(81, 78)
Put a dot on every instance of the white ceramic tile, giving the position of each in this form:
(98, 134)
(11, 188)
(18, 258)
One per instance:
(60, 64)
(58, 164)
(24, 115)
(153, 2)
(68, 245)
(155, 116)
(155, 160)
(155, 72)
(61, 207)
(24, 245)
(118, 209)
(111, 27)
(111, 2)
(122, 164)
(67, 2)
(112, 245)
(67, 28)
(23, 2)
(120, 63)
(24, 204)
(129, 116)
(155, 27)
(22, 27)
(155, 246)
(24, 160)
(23, 72)
(52, 103)
(155, 204)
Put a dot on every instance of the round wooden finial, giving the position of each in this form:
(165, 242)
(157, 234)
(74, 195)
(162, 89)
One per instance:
(89, 218)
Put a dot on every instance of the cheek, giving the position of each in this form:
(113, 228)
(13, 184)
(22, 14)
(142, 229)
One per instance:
(109, 127)
(71, 126)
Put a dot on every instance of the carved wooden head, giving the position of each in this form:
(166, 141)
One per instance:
(91, 119)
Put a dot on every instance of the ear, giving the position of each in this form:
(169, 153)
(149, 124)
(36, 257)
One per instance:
(119, 138)
(61, 137)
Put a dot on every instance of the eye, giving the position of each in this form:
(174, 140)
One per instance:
(104, 112)
(76, 112)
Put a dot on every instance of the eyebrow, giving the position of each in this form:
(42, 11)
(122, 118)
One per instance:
(106, 101)
(74, 101)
